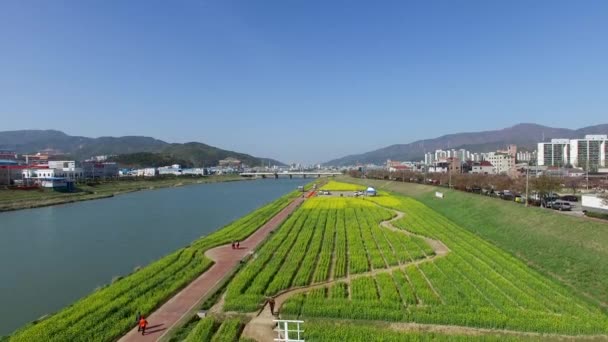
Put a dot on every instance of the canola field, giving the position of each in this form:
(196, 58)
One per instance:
(392, 259)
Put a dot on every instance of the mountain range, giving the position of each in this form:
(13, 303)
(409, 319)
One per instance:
(524, 135)
(131, 150)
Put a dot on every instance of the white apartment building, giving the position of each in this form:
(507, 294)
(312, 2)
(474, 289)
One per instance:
(554, 153)
(502, 162)
(429, 158)
(525, 156)
(440, 155)
(587, 153)
(590, 152)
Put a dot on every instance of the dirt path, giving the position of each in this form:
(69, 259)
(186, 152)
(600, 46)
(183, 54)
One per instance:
(225, 260)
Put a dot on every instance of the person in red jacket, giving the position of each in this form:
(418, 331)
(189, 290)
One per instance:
(142, 325)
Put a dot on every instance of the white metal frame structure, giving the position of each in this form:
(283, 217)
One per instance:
(283, 330)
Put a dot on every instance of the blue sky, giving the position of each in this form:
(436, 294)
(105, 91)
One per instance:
(301, 80)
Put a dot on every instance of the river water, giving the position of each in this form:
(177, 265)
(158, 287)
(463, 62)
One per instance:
(50, 257)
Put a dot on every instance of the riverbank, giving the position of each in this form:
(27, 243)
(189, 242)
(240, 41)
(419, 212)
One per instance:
(26, 199)
(110, 308)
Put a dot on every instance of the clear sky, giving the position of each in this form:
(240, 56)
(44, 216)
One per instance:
(301, 80)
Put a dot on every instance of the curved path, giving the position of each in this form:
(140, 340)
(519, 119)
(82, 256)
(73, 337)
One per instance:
(261, 327)
(225, 261)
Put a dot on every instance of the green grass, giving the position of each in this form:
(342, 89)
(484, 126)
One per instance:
(572, 250)
(22, 199)
(317, 330)
(229, 331)
(475, 284)
(301, 250)
(203, 331)
(338, 186)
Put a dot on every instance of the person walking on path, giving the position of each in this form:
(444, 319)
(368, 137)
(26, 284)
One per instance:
(142, 325)
(232, 244)
(238, 244)
(270, 301)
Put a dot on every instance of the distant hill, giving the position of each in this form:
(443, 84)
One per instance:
(524, 135)
(130, 148)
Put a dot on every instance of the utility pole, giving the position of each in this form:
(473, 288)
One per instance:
(449, 176)
(587, 172)
(527, 184)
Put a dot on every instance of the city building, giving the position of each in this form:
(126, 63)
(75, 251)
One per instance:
(147, 172)
(483, 167)
(66, 169)
(454, 165)
(504, 163)
(56, 183)
(174, 169)
(429, 158)
(554, 153)
(197, 171)
(440, 155)
(10, 172)
(589, 153)
(38, 173)
(93, 169)
(476, 157)
(36, 159)
(525, 156)
(555, 171)
(8, 155)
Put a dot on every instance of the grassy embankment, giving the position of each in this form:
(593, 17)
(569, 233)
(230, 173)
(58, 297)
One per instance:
(108, 313)
(22, 199)
(571, 249)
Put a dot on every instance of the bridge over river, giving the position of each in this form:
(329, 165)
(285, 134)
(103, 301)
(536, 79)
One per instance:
(290, 174)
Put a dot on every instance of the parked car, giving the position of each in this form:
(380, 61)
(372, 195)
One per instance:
(507, 197)
(561, 205)
(570, 198)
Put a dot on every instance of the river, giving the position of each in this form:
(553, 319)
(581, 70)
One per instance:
(50, 257)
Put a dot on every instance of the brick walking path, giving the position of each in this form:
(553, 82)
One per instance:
(225, 260)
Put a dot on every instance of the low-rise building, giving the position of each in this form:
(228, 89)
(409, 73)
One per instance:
(93, 169)
(170, 170)
(56, 183)
(9, 173)
(146, 172)
(198, 171)
(483, 167)
(8, 154)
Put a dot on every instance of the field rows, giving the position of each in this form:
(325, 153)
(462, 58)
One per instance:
(209, 329)
(325, 239)
(474, 285)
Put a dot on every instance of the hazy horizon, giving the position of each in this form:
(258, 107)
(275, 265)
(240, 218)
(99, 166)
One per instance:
(308, 81)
